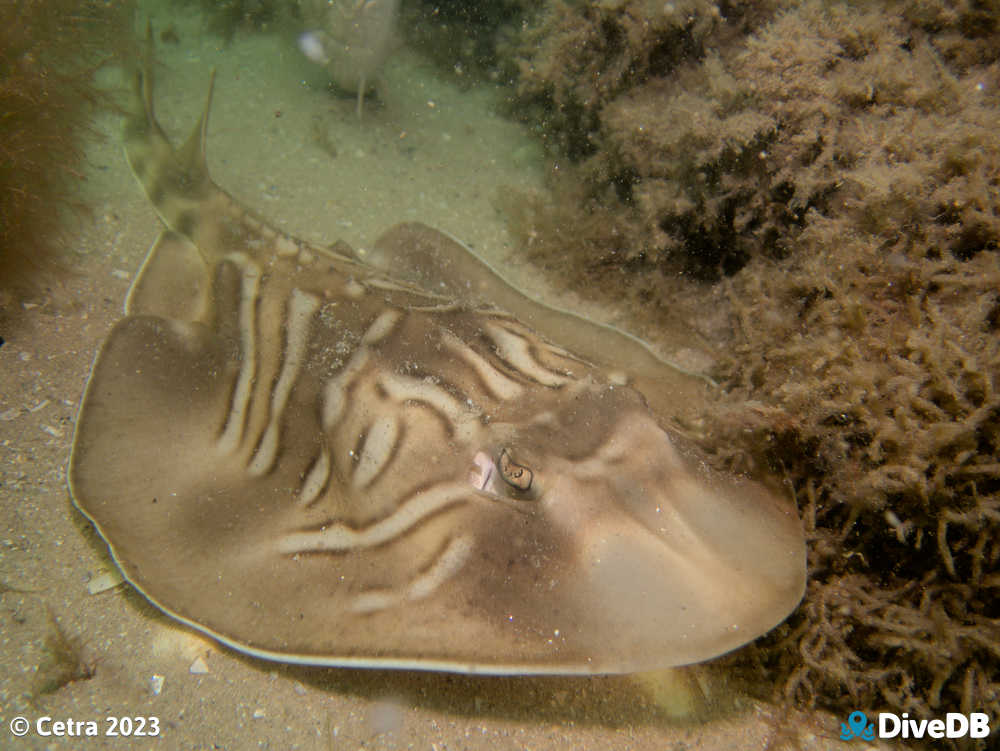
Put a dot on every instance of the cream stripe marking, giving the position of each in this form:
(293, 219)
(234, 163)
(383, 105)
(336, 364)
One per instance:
(340, 538)
(381, 327)
(499, 385)
(375, 600)
(514, 350)
(285, 246)
(354, 290)
(445, 307)
(388, 285)
(447, 564)
(316, 479)
(335, 393)
(380, 444)
(453, 412)
(232, 434)
(519, 329)
(301, 308)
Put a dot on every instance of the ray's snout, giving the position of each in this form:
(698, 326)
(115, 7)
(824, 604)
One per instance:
(690, 564)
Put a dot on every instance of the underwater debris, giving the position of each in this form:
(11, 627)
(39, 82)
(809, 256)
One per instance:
(352, 38)
(319, 129)
(64, 660)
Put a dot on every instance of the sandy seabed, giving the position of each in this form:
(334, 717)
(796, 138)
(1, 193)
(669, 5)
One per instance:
(279, 142)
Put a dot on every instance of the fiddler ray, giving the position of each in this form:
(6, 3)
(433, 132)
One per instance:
(403, 461)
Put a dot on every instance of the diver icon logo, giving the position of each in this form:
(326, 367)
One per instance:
(857, 726)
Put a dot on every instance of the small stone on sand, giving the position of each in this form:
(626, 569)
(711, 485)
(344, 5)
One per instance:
(103, 581)
(198, 667)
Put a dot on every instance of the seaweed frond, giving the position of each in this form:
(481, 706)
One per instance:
(49, 54)
(64, 660)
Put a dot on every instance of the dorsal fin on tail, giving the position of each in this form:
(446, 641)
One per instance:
(192, 154)
(177, 181)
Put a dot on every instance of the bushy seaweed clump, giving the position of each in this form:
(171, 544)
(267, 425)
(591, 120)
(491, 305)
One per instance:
(579, 57)
(49, 53)
(834, 171)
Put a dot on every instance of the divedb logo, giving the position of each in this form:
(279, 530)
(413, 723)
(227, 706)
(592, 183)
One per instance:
(954, 725)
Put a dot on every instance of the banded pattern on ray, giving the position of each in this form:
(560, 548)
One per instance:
(315, 460)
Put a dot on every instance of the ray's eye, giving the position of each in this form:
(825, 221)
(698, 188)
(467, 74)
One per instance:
(515, 475)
